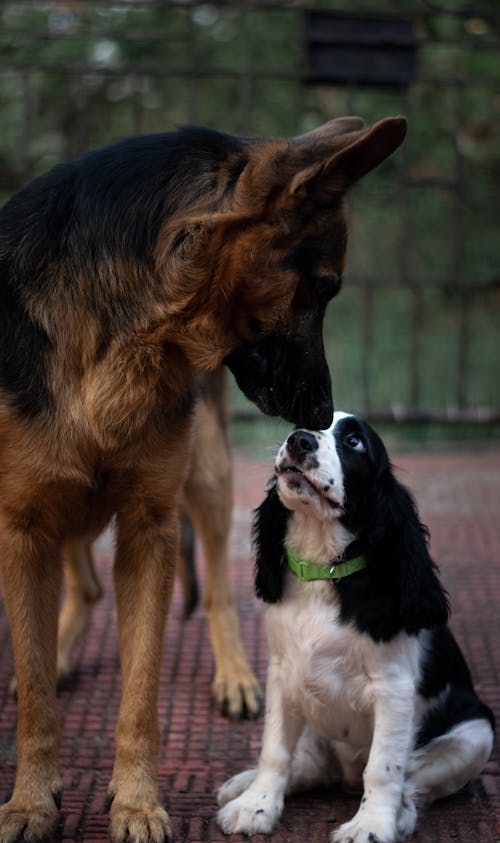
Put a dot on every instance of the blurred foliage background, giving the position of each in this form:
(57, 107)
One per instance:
(415, 334)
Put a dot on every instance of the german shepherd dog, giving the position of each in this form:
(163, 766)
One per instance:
(125, 275)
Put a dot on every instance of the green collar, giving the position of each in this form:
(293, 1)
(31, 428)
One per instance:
(308, 571)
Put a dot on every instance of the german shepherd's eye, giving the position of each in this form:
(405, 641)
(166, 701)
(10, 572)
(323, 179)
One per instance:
(355, 443)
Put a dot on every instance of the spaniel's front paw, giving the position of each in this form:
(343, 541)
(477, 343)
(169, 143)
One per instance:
(364, 830)
(250, 813)
(235, 786)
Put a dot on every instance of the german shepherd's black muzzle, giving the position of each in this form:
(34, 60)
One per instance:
(287, 376)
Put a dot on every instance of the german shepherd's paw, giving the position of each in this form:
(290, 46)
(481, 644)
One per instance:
(23, 823)
(142, 825)
(238, 695)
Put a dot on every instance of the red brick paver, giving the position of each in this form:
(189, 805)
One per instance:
(458, 497)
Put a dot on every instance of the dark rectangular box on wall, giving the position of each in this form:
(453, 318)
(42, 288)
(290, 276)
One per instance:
(369, 51)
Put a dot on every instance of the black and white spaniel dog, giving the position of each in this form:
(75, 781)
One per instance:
(366, 684)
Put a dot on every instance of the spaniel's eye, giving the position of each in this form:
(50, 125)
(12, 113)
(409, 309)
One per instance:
(355, 443)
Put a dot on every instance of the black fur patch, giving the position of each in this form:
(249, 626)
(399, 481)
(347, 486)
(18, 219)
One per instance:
(399, 589)
(458, 705)
(443, 663)
(444, 669)
(24, 347)
(268, 535)
(275, 373)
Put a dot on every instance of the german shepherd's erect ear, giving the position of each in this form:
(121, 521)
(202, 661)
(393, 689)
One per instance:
(361, 150)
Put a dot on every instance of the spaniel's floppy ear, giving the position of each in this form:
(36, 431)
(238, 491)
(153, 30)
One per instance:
(398, 547)
(268, 537)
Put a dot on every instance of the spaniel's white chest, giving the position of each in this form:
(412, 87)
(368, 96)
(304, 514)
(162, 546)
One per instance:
(325, 666)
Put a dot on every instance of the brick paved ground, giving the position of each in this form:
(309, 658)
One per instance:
(458, 496)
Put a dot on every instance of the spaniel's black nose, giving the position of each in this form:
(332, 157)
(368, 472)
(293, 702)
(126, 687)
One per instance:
(301, 443)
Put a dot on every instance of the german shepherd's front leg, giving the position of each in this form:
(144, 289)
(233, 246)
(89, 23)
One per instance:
(209, 499)
(31, 576)
(147, 547)
(82, 591)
